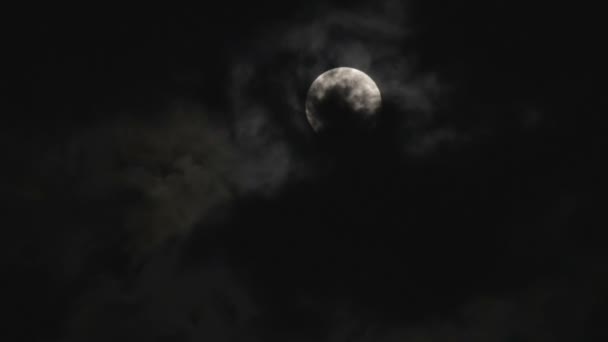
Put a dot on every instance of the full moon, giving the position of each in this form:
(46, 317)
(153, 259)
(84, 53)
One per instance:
(342, 99)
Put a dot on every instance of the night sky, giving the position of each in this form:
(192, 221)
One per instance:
(162, 182)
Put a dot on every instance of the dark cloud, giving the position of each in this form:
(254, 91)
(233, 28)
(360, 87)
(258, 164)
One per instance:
(181, 165)
(165, 301)
(198, 204)
(209, 301)
(370, 38)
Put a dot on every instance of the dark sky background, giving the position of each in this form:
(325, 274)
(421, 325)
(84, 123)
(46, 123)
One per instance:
(162, 183)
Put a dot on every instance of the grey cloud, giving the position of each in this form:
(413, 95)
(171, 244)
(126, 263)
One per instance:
(375, 39)
(372, 39)
(183, 166)
(180, 165)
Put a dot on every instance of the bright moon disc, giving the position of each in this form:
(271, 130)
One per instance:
(342, 98)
